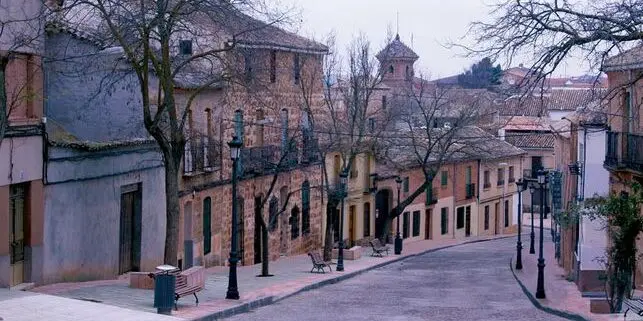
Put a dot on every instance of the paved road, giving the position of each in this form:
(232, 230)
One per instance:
(470, 282)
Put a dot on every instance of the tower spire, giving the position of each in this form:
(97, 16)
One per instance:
(397, 22)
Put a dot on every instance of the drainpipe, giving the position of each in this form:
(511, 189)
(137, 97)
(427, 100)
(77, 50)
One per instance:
(455, 199)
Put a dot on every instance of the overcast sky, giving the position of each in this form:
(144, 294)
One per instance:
(425, 25)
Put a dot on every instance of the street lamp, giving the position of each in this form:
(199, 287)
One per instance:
(522, 185)
(398, 239)
(532, 249)
(340, 255)
(540, 289)
(233, 290)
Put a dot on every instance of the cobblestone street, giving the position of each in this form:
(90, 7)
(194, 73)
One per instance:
(469, 282)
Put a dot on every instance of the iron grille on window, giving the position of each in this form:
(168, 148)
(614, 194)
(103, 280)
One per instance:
(201, 155)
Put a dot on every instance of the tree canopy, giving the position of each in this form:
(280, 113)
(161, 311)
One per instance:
(481, 75)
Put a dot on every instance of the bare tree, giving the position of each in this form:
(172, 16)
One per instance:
(151, 36)
(553, 30)
(345, 114)
(432, 130)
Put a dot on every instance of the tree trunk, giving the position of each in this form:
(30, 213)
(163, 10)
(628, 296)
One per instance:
(265, 253)
(328, 240)
(172, 211)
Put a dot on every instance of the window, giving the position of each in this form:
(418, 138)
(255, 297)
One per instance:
(430, 197)
(273, 66)
(468, 175)
(371, 125)
(416, 223)
(259, 128)
(506, 213)
(391, 69)
(405, 225)
(460, 218)
(384, 102)
(512, 178)
(367, 219)
(444, 220)
(501, 176)
(487, 179)
(305, 208)
(207, 225)
(297, 69)
(409, 73)
(272, 214)
(353, 171)
(486, 217)
(405, 185)
(444, 178)
(185, 47)
(294, 222)
(284, 129)
(248, 71)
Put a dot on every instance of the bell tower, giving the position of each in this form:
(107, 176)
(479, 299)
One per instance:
(396, 61)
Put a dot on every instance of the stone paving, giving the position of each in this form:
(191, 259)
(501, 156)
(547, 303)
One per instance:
(468, 282)
(291, 274)
(29, 306)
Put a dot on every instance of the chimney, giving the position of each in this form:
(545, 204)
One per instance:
(501, 133)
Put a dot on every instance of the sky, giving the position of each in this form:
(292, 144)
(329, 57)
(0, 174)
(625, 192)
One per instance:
(427, 26)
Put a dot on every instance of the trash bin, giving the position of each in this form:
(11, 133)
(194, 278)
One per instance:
(164, 285)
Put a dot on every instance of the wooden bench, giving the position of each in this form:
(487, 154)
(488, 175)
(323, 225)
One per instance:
(378, 248)
(188, 282)
(635, 305)
(318, 263)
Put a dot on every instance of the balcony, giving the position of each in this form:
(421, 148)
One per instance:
(624, 151)
(470, 190)
(486, 185)
(500, 182)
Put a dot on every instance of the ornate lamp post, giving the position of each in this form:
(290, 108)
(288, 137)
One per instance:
(398, 238)
(233, 291)
(540, 289)
(532, 249)
(343, 177)
(522, 185)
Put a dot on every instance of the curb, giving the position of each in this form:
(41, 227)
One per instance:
(537, 304)
(246, 307)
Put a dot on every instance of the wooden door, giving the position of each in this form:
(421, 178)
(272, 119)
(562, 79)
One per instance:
(351, 226)
(428, 230)
(130, 230)
(17, 215)
(257, 242)
(496, 223)
(467, 221)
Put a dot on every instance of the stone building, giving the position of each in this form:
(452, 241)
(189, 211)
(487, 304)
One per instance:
(262, 106)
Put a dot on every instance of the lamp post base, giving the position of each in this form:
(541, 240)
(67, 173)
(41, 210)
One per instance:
(519, 256)
(540, 289)
(398, 245)
(233, 290)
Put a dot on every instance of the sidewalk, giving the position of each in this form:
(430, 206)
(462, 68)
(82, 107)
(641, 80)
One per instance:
(562, 295)
(291, 275)
(27, 306)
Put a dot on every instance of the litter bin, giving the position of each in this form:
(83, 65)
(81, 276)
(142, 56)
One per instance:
(164, 284)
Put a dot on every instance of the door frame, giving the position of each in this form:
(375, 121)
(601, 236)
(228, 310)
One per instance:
(17, 253)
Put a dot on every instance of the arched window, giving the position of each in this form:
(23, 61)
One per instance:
(409, 73)
(305, 208)
(294, 222)
(391, 69)
(273, 208)
(207, 225)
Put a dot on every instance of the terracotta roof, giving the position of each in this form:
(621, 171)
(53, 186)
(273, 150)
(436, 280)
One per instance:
(629, 59)
(397, 50)
(524, 123)
(542, 140)
(556, 99)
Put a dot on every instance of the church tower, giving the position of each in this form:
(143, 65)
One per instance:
(396, 61)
